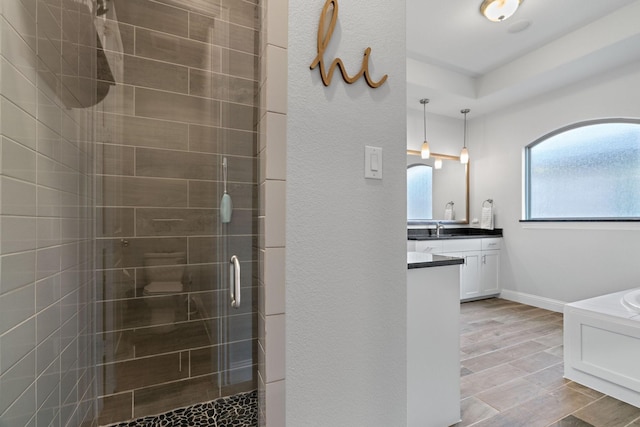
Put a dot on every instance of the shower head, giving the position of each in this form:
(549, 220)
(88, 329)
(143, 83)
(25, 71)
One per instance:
(102, 7)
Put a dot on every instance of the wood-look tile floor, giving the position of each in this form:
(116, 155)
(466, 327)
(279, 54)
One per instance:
(511, 372)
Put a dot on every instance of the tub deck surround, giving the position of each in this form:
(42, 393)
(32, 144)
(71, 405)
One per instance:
(602, 346)
(433, 345)
(452, 233)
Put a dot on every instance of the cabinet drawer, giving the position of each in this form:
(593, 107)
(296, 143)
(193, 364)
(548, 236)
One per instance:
(491, 243)
(431, 246)
(461, 245)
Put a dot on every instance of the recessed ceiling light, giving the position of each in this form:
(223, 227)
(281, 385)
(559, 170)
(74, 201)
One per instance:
(518, 26)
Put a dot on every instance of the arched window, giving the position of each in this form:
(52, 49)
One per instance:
(419, 193)
(588, 171)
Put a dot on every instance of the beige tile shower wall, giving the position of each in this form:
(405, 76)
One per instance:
(272, 155)
(186, 95)
(46, 216)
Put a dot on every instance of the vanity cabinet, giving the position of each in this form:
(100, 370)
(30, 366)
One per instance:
(471, 275)
(490, 266)
(429, 246)
(480, 271)
(470, 272)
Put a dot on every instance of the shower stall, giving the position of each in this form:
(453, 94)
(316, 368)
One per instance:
(124, 293)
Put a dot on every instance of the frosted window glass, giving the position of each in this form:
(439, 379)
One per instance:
(591, 171)
(419, 197)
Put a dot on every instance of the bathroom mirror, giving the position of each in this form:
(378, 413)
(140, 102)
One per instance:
(449, 183)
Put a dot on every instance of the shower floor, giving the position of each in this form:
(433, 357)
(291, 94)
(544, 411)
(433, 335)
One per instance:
(240, 410)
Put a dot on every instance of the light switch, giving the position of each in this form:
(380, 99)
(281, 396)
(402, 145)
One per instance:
(372, 162)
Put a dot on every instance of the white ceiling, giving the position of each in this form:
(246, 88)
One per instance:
(459, 59)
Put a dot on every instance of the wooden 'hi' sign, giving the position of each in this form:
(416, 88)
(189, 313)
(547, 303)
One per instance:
(323, 42)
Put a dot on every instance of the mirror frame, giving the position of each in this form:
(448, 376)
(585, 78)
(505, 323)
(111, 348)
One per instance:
(466, 181)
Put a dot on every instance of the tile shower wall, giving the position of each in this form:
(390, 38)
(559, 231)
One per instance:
(186, 75)
(47, 88)
(272, 157)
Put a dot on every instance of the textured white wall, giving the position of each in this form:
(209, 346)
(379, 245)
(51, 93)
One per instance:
(346, 261)
(561, 264)
(445, 134)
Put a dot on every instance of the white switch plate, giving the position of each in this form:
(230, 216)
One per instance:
(372, 162)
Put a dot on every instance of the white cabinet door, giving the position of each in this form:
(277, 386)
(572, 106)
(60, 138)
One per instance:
(490, 264)
(470, 275)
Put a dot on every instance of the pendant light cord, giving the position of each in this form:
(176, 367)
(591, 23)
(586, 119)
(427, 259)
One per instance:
(465, 111)
(425, 151)
(424, 109)
(424, 103)
(465, 130)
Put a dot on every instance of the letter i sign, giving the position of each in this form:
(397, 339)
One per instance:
(323, 42)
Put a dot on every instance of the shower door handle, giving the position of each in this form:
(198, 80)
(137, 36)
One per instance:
(234, 281)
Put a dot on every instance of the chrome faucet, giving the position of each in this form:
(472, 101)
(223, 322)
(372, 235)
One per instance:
(438, 227)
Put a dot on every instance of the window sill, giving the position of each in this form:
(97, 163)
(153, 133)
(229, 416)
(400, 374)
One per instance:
(582, 224)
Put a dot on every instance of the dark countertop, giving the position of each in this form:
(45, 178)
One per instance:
(423, 260)
(452, 233)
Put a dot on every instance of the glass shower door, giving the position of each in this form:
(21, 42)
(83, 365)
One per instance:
(184, 100)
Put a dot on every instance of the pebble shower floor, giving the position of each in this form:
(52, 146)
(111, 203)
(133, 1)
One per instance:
(240, 410)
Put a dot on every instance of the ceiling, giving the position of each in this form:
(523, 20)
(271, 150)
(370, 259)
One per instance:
(459, 59)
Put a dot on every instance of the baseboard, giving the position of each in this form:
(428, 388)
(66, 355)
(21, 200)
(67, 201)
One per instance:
(533, 300)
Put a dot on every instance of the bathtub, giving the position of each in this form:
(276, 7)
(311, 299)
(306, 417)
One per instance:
(602, 344)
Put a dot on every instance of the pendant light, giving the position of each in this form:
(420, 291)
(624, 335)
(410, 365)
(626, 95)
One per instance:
(438, 163)
(464, 154)
(425, 152)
